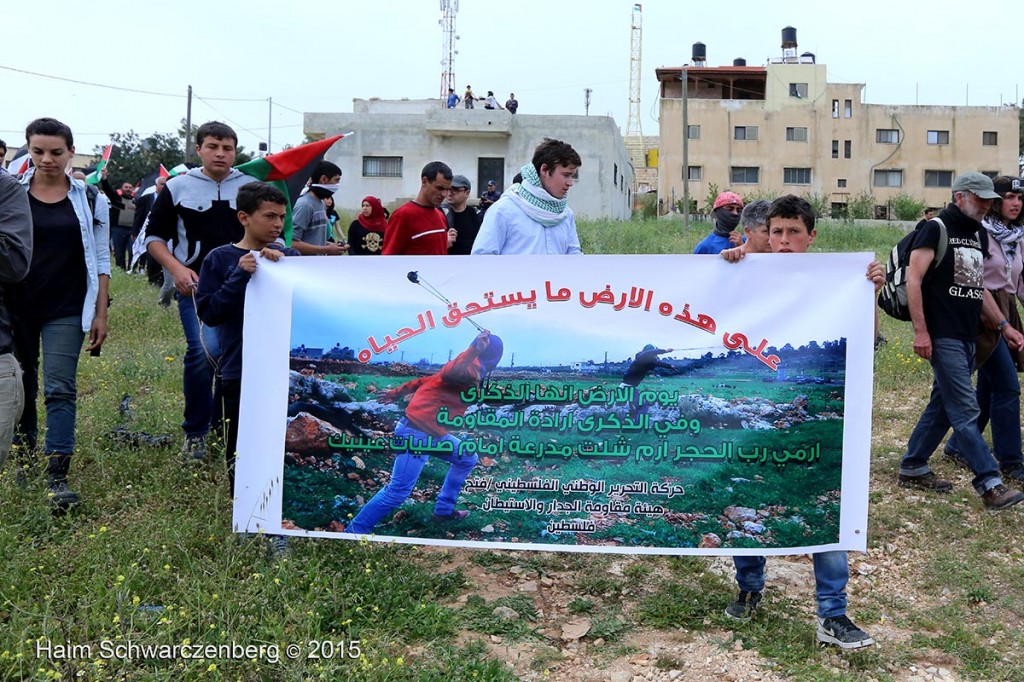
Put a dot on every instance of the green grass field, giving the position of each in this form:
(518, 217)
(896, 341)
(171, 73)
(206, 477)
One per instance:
(148, 559)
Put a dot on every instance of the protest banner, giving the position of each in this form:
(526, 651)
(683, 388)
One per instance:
(642, 404)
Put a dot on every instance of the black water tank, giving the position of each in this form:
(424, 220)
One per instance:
(789, 37)
(739, 61)
(808, 58)
(700, 53)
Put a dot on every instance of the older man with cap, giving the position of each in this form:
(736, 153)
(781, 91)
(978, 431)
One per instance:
(463, 219)
(727, 216)
(946, 299)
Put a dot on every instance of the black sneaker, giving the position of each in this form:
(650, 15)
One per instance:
(955, 458)
(927, 481)
(841, 631)
(743, 607)
(1000, 497)
(194, 449)
(1014, 473)
(454, 516)
(60, 495)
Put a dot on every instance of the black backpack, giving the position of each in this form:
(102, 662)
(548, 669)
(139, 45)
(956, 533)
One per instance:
(892, 298)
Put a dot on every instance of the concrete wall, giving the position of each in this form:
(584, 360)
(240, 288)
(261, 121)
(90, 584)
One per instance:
(420, 131)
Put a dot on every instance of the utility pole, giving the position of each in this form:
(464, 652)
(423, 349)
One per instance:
(188, 126)
(686, 151)
(586, 101)
(270, 121)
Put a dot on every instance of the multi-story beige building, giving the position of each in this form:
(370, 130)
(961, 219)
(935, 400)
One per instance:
(783, 128)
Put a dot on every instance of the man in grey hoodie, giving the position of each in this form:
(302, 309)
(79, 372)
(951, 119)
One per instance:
(197, 211)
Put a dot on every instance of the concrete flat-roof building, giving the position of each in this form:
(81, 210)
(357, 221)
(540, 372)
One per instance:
(394, 139)
(783, 128)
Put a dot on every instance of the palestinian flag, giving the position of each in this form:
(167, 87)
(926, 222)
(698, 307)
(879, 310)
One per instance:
(94, 177)
(21, 162)
(288, 170)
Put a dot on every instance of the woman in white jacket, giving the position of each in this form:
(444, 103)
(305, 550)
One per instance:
(63, 298)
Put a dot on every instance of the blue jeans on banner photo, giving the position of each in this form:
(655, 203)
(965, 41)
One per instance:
(201, 344)
(998, 395)
(406, 472)
(952, 403)
(831, 573)
(61, 341)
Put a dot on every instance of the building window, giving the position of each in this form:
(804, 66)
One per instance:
(888, 178)
(835, 149)
(938, 137)
(693, 173)
(841, 182)
(382, 166)
(835, 108)
(938, 178)
(990, 138)
(745, 175)
(848, 108)
(991, 175)
(692, 132)
(847, 149)
(798, 90)
(887, 136)
(745, 133)
(615, 175)
(796, 176)
(796, 134)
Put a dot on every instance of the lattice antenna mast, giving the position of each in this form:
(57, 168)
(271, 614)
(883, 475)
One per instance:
(634, 132)
(449, 8)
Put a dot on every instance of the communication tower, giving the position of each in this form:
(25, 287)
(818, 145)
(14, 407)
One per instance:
(634, 133)
(449, 8)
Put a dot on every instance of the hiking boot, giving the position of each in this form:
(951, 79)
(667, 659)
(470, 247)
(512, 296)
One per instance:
(928, 481)
(194, 448)
(841, 631)
(454, 516)
(743, 606)
(60, 495)
(1014, 473)
(1000, 497)
(955, 458)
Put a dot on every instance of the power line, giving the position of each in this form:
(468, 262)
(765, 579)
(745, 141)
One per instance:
(95, 85)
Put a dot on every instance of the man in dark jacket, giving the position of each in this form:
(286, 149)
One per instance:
(15, 257)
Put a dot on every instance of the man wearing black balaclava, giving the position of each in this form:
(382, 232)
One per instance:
(727, 216)
(309, 217)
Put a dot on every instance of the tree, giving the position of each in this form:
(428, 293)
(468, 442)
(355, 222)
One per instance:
(133, 157)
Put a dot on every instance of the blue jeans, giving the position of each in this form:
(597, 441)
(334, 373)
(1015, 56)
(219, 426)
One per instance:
(405, 474)
(121, 244)
(62, 344)
(831, 573)
(952, 403)
(998, 396)
(12, 400)
(201, 344)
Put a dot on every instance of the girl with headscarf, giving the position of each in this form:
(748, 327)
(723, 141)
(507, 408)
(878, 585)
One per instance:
(366, 233)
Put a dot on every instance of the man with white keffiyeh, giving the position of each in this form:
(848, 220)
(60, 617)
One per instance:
(533, 217)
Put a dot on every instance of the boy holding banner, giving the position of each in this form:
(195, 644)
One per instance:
(791, 230)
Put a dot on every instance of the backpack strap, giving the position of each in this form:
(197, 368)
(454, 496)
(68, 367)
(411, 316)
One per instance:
(940, 249)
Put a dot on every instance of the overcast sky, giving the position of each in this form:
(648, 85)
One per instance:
(318, 56)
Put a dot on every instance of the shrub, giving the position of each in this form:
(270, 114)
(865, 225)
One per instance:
(906, 207)
(861, 207)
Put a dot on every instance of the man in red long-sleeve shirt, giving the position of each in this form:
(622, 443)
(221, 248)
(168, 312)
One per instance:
(419, 228)
(419, 426)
